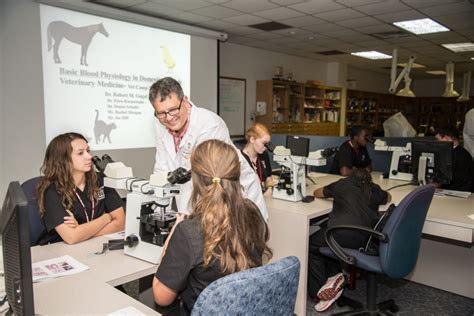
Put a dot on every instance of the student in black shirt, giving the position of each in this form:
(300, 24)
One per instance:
(255, 152)
(356, 200)
(225, 232)
(352, 153)
(73, 202)
(462, 161)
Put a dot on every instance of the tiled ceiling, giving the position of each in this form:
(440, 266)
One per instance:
(325, 25)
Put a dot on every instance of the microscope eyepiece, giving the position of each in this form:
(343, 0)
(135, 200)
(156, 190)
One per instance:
(270, 147)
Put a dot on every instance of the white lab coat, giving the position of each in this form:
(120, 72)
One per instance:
(468, 132)
(203, 125)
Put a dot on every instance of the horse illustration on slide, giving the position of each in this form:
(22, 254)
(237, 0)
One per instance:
(58, 30)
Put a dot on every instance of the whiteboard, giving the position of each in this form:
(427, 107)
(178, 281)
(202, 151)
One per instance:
(231, 106)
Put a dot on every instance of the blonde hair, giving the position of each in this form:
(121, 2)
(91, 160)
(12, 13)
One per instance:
(57, 169)
(235, 233)
(257, 130)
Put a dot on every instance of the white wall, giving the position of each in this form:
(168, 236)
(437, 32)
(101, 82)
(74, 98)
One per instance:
(254, 64)
(368, 80)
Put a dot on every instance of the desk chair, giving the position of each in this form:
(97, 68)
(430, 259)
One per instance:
(399, 245)
(266, 290)
(36, 223)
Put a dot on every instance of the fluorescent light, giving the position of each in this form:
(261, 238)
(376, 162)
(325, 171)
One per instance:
(436, 72)
(472, 58)
(372, 55)
(460, 47)
(414, 65)
(421, 26)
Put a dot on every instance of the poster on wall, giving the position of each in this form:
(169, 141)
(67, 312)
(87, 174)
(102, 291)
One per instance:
(232, 104)
(97, 73)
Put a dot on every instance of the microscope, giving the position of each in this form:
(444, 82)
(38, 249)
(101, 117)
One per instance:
(149, 218)
(291, 185)
(400, 165)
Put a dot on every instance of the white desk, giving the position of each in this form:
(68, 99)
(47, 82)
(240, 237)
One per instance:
(447, 218)
(91, 291)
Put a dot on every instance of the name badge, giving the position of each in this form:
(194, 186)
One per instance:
(101, 194)
(187, 151)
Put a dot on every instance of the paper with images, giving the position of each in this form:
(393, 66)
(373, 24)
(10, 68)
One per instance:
(56, 267)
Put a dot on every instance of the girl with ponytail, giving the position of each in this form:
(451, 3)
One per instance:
(225, 232)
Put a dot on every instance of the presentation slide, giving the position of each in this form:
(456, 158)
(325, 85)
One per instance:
(97, 73)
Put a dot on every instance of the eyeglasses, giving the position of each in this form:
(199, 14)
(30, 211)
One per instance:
(172, 112)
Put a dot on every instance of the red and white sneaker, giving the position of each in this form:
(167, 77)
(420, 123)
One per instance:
(324, 305)
(331, 288)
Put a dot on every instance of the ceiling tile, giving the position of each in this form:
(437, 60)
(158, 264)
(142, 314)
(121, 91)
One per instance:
(218, 25)
(339, 15)
(342, 34)
(380, 28)
(246, 19)
(283, 40)
(322, 28)
(383, 7)
(447, 9)
(373, 43)
(292, 32)
(183, 4)
(286, 2)
(217, 1)
(400, 16)
(358, 22)
(154, 9)
(249, 6)
(356, 3)
(316, 6)
(306, 20)
(264, 35)
(278, 14)
(217, 12)
(427, 3)
(457, 21)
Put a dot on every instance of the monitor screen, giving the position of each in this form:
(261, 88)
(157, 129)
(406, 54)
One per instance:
(16, 251)
(439, 156)
(299, 146)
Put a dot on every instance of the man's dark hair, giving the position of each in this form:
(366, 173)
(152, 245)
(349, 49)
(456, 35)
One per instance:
(163, 88)
(356, 130)
(449, 131)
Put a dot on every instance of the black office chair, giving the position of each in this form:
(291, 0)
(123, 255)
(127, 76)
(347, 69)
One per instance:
(398, 252)
(36, 223)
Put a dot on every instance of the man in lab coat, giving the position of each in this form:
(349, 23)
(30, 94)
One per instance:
(181, 126)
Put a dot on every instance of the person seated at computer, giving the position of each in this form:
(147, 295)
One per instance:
(462, 176)
(356, 202)
(353, 153)
(225, 233)
(72, 199)
(255, 152)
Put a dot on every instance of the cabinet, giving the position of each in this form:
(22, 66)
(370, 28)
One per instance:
(300, 109)
(372, 109)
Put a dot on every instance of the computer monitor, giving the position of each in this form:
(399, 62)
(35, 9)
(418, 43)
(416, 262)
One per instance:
(299, 146)
(16, 251)
(432, 161)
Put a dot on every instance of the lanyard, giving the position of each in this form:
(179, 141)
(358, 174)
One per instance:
(85, 210)
(259, 170)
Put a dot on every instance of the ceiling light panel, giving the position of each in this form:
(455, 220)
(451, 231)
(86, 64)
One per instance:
(436, 72)
(460, 47)
(372, 55)
(421, 26)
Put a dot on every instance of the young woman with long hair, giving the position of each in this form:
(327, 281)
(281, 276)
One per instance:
(73, 201)
(225, 233)
(255, 152)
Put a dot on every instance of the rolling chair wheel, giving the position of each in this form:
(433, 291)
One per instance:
(394, 309)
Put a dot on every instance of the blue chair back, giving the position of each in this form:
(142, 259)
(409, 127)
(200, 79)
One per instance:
(36, 223)
(398, 256)
(266, 290)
